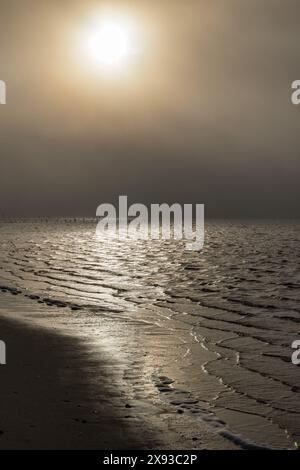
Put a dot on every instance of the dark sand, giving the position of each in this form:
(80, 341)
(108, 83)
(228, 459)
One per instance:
(48, 402)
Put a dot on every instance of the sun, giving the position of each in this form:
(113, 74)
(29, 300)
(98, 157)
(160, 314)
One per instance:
(110, 42)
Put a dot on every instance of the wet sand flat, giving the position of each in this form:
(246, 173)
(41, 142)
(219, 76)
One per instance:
(55, 395)
(62, 389)
(173, 349)
(73, 381)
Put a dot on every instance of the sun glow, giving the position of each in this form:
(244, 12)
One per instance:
(110, 42)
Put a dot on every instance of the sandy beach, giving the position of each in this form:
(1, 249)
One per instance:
(67, 386)
(54, 393)
(119, 346)
(89, 384)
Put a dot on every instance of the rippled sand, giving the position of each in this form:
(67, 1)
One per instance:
(197, 345)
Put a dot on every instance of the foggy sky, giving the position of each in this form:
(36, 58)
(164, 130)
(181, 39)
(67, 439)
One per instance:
(204, 116)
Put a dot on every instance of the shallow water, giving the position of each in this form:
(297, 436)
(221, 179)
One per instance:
(248, 274)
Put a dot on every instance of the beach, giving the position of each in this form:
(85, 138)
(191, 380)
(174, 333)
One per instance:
(65, 387)
(116, 348)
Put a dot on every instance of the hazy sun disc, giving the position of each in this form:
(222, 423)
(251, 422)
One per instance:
(110, 43)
